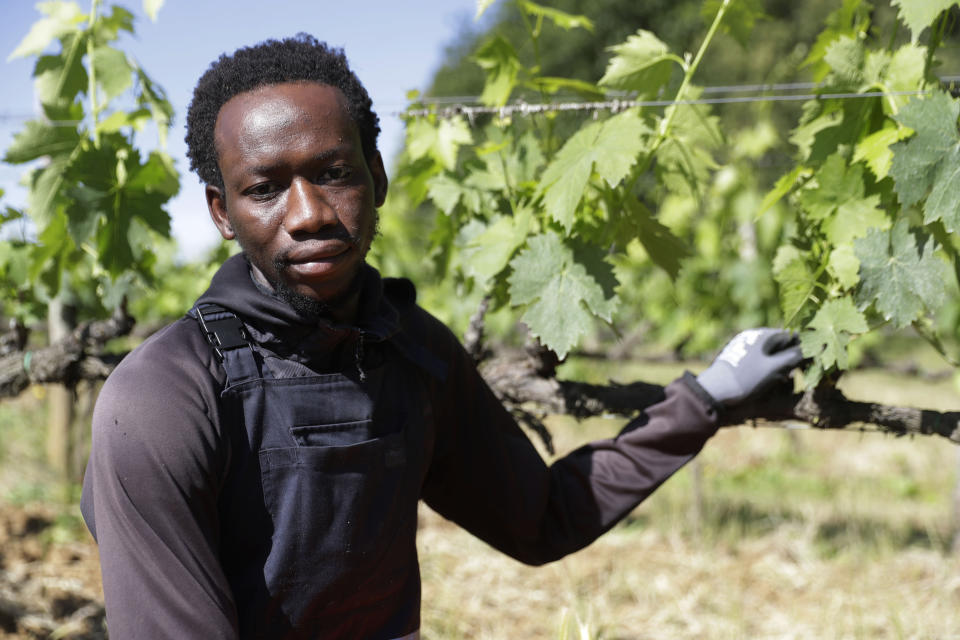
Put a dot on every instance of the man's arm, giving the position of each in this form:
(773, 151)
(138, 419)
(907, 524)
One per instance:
(488, 477)
(150, 498)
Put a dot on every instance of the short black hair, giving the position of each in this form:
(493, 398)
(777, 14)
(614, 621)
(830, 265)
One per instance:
(301, 58)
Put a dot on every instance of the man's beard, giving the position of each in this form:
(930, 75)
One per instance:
(306, 307)
(309, 308)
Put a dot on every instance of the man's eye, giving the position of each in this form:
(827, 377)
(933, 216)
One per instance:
(337, 173)
(262, 190)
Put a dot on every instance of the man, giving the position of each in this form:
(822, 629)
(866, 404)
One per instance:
(256, 466)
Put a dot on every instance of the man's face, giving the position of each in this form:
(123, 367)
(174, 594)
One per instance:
(298, 194)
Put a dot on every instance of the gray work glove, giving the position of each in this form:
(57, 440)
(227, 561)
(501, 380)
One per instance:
(750, 363)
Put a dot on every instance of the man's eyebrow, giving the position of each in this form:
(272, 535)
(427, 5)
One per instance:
(324, 156)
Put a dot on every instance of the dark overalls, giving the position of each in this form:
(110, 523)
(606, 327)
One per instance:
(318, 512)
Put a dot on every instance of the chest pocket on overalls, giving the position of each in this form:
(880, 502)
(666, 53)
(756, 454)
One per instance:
(340, 465)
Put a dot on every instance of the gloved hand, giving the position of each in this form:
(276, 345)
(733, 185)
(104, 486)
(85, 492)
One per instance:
(751, 362)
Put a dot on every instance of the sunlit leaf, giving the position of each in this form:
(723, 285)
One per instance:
(846, 55)
(875, 150)
(552, 85)
(440, 142)
(560, 18)
(854, 218)
(830, 332)
(560, 296)
(920, 14)
(152, 8)
(113, 71)
(740, 19)
(844, 266)
(643, 64)
(62, 18)
(609, 147)
(109, 26)
(782, 187)
(488, 252)
(797, 282)
(60, 78)
(38, 139)
(499, 60)
(120, 119)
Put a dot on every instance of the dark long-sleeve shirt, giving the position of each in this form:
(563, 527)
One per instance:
(161, 455)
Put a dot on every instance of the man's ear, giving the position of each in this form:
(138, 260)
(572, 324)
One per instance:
(217, 206)
(379, 179)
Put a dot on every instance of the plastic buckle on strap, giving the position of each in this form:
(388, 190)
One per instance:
(222, 333)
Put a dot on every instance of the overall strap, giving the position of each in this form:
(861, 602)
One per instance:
(231, 346)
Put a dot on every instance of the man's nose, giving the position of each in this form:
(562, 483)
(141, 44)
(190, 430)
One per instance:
(308, 209)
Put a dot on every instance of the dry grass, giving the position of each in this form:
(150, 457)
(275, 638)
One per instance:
(802, 534)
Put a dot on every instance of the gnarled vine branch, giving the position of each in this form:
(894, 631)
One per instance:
(76, 357)
(516, 383)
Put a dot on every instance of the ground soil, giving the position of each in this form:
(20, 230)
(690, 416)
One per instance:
(49, 586)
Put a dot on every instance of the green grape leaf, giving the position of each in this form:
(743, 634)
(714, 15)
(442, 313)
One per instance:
(552, 85)
(113, 245)
(482, 6)
(445, 192)
(440, 142)
(448, 191)
(109, 26)
(157, 175)
(643, 64)
(797, 283)
(684, 160)
(45, 191)
(154, 98)
(840, 22)
(524, 163)
(846, 57)
(152, 8)
(830, 332)
(920, 14)
(930, 160)
(120, 119)
(905, 70)
(854, 218)
(817, 120)
(560, 295)
(62, 18)
(9, 214)
(782, 187)
(897, 278)
(53, 240)
(59, 78)
(740, 19)
(665, 249)
(498, 58)
(38, 139)
(874, 150)
(835, 184)
(562, 19)
(488, 251)
(844, 266)
(15, 261)
(87, 207)
(112, 70)
(609, 147)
